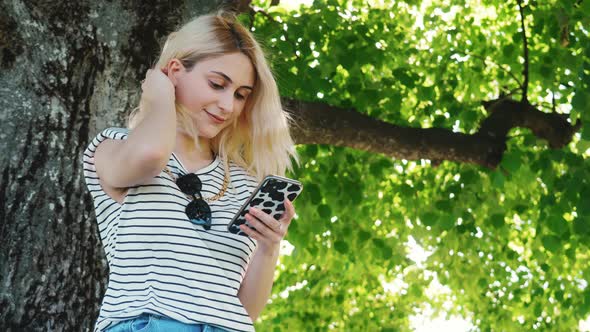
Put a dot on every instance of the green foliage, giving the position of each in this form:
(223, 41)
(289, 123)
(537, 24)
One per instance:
(511, 245)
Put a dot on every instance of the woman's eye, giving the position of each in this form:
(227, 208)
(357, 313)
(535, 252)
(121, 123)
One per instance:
(215, 85)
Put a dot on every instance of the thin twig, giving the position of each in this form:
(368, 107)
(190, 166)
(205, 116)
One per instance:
(252, 16)
(549, 106)
(511, 92)
(525, 70)
(255, 10)
(499, 66)
(553, 102)
(263, 12)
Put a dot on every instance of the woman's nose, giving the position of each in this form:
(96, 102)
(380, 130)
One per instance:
(226, 102)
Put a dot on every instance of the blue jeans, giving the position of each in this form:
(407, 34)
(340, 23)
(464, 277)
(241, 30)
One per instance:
(154, 323)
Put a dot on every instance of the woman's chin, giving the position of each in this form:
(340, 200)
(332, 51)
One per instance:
(208, 132)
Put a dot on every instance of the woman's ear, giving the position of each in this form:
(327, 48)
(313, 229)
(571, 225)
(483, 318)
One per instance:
(173, 69)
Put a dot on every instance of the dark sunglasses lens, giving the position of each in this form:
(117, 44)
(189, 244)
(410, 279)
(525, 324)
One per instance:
(199, 212)
(189, 184)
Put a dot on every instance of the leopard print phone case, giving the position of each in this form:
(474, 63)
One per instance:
(268, 197)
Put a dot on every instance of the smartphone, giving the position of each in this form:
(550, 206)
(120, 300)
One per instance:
(269, 197)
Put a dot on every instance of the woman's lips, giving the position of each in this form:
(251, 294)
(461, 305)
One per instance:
(215, 118)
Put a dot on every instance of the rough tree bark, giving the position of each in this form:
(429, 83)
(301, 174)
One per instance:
(69, 69)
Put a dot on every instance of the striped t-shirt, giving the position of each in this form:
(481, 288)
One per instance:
(160, 262)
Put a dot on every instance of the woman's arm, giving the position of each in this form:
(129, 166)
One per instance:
(257, 284)
(146, 150)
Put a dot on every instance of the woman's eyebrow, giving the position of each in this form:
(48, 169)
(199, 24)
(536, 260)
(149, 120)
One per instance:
(230, 80)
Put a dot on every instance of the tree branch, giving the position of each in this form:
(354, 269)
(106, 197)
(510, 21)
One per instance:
(525, 71)
(319, 123)
(507, 113)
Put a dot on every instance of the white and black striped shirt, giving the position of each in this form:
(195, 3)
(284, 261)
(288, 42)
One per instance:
(159, 261)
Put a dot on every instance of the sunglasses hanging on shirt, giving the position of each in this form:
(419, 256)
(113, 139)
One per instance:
(197, 210)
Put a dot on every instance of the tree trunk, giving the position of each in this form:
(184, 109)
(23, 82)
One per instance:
(68, 69)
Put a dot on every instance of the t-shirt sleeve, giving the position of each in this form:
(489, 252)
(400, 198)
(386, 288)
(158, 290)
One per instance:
(90, 176)
(106, 208)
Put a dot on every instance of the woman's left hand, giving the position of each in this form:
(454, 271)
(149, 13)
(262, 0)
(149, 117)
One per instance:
(269, 232)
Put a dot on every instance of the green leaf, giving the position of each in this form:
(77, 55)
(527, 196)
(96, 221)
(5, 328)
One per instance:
(559, 295)
(341, 246)
(469, 117)
(583, 145)
(415, 290)
(313, 190)
(583, 206)
(508, 50)
(557, 224)
(406, 190)
(482, 283)
(521, 208)
(311, 150)
(469, 177)
(324, 211)
(585, 307)
(580, 101)
(443, 205)
(497, 179)
(363, 236)
(379, 243)
(317, 227)
(497, 220)
(404, 78)
(447, 222)
(512, 161)
(429, 219)
(551, 242)
(382, 248)
(582, 225)
(378, 168)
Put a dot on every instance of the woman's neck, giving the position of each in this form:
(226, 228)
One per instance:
(189, 152)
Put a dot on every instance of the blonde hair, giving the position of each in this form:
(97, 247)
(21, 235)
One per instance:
(259, 139)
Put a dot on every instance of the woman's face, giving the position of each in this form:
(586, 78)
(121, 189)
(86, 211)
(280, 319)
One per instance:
(214, 91)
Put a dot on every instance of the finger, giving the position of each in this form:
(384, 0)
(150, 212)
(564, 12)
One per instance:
(266, 218)
(289, 212)
(250, 232)
(262, 228)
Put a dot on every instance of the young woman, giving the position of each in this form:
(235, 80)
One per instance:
(209, 127)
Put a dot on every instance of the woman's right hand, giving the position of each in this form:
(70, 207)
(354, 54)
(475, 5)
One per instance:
(157, 88)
